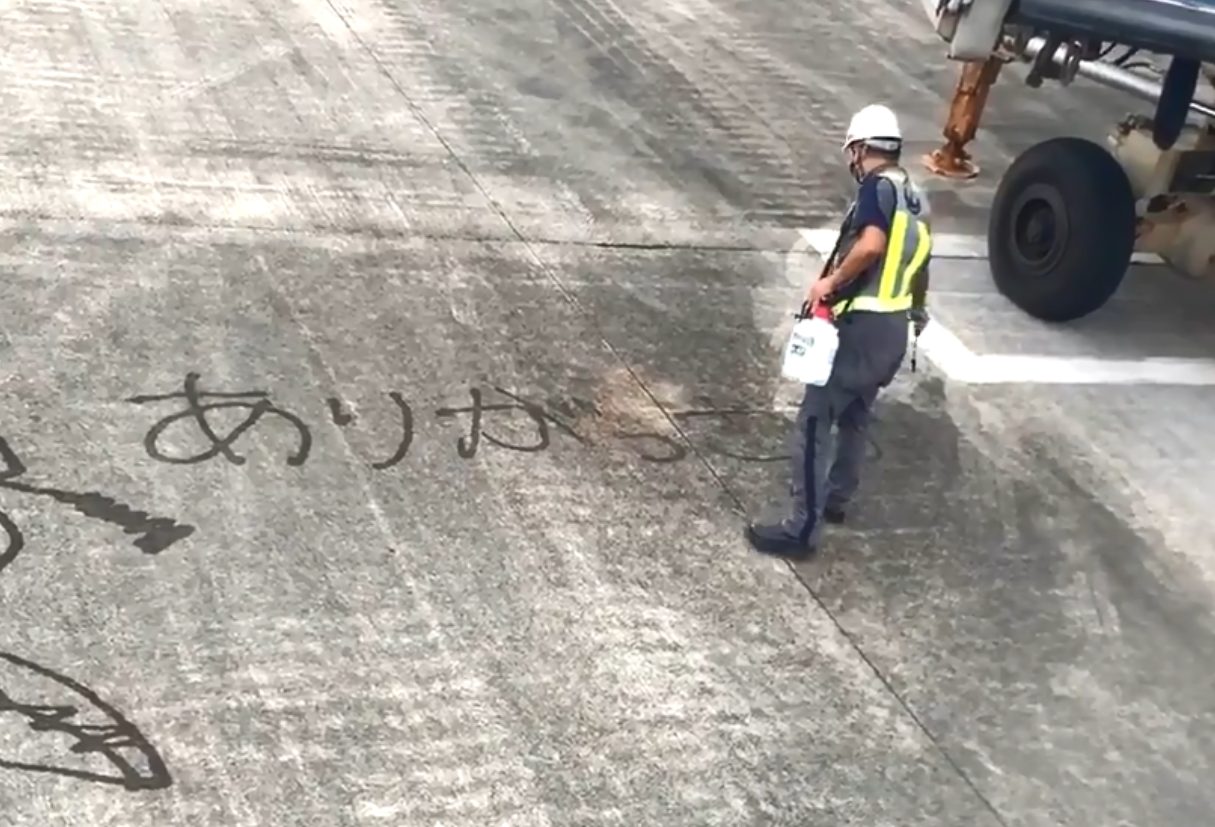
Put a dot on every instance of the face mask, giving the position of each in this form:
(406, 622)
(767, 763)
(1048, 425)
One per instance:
(854, 166)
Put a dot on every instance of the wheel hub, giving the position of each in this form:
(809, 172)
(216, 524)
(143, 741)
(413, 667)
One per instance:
(1039, 229)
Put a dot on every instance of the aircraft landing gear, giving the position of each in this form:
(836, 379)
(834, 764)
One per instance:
(952, 160)
(1062, 229)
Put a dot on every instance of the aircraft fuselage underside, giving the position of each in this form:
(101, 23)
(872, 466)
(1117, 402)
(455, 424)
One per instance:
(1180, 28)
(1069, 214)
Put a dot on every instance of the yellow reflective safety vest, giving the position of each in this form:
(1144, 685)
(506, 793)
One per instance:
(886, 287)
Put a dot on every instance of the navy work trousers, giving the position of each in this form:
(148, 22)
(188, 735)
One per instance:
(871, 350)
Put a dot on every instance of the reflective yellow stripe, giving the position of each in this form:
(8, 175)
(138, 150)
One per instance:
(895, 282)
(922, 249)
(891, 270)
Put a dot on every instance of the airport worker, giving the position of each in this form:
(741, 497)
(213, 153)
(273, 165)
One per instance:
(874, 283)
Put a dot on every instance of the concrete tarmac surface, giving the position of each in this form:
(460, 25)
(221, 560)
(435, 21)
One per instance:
(385, 386)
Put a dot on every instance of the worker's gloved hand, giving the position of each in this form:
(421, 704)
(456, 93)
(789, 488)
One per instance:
(919, 318)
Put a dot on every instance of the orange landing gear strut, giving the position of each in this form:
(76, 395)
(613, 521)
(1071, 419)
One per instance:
(952, 160)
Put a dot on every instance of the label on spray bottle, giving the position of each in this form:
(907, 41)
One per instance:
(810, 354)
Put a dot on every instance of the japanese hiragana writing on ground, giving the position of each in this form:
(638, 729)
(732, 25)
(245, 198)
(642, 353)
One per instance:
(547, 421)
(61, 706)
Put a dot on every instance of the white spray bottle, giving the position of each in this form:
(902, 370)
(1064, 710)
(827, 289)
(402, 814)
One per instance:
(810, 354)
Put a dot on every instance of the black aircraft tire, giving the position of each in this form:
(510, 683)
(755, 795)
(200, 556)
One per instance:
(1062, 230)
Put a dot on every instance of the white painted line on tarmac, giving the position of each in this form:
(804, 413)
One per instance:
(944, 245)
(954, 246)
(946, 351)
(1057, 370)
(961, 364)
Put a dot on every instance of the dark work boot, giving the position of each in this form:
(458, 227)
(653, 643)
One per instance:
(774, 540)
(834, 514)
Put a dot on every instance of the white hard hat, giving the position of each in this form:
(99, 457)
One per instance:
(876, 126)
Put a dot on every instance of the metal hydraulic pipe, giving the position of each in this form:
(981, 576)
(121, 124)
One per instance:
(1109, 75)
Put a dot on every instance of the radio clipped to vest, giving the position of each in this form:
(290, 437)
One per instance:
(810, 354)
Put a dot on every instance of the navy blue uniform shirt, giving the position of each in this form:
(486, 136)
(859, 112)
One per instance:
(875, 199)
